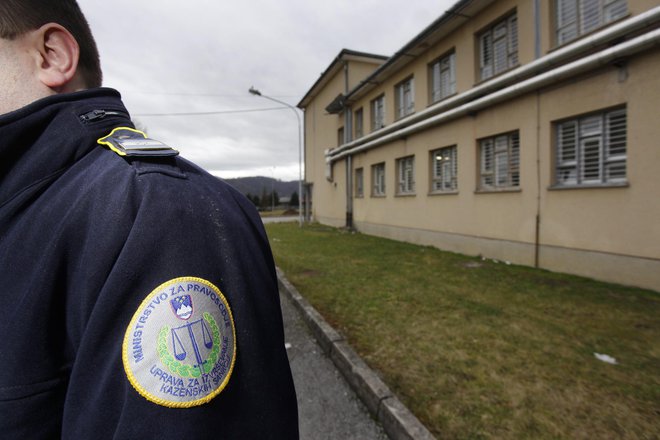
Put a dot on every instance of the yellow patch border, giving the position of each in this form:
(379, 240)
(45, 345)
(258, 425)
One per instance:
(126, 344)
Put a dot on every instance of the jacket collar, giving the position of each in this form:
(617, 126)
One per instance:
(45, 137)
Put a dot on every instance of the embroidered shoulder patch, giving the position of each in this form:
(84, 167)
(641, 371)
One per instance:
(180, 347)
(127, 141)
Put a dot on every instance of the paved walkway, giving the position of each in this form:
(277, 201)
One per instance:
(327, 407)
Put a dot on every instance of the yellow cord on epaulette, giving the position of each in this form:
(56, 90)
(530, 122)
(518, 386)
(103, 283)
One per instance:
(126, 141)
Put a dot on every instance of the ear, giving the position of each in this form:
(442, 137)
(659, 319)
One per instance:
(57, 58)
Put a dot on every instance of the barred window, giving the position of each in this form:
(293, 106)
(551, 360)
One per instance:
(500, 161)
(443, 77)
(406, 170)
(578, 17)
(498, 47)
(359, 123)
(592, 149)
(405, 98)
(378, 180)
(378, 113)
(359, 182)
(445, 170)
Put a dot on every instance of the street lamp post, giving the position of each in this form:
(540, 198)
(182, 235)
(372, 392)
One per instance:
(256, 92)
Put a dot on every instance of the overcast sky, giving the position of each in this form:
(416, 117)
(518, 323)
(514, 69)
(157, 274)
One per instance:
(168, 57)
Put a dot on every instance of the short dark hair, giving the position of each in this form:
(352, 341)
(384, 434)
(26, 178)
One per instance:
(18, 17)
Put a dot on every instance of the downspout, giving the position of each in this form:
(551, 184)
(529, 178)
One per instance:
(537, 232)
(348, 134)
(537, 29)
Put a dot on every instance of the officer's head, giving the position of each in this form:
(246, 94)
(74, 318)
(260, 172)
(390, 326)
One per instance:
(46, 47)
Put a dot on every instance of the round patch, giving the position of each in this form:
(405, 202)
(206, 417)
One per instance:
(180, 347)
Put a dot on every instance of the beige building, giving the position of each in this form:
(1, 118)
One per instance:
(521, 130)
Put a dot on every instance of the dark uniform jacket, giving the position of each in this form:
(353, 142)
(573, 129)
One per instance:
(86, 235)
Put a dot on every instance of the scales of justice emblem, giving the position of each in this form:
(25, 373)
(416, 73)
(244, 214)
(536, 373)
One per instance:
(186, 338)
(180, 347)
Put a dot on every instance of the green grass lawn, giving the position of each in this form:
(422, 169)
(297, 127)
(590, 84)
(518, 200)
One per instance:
(479, 349)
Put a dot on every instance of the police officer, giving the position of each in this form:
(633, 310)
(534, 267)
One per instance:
(138, 293)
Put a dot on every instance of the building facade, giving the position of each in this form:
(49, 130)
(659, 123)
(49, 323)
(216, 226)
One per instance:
(519, 130)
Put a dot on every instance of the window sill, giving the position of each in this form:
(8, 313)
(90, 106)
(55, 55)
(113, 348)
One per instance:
(443, 193)
(497, 190)
(378, 196)
(406, 194)
(589, 186)
(444, 98)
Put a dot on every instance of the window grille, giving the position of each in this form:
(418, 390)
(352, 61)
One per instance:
(592, 149)
(500, 161)
(578, 17)
(378, 182)
(445, 170)
(359, 123)
(443, 77)
(498, 47)
(359, 182)
(378, 113)
(405, 99)
(406, 168)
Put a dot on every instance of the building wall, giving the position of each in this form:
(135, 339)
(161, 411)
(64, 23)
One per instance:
(609, 233)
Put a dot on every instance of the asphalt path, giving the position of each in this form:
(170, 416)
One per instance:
(327, 407)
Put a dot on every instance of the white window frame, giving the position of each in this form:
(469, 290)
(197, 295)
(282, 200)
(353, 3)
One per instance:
(443, 77)
(444, 170)
(574, 18)
(405, 175)
(378, 113)
(499, 162)
(498, 47)
(378, 180)
(404, 94)
(592, 149)
(359, 182)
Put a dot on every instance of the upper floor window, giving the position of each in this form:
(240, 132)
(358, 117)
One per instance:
(359, 123)
(378, 180)
(359, 182)
(406, 171)
(378, 113)
(498, 47)
(405, 98)
(443, 77)
(340, 136)
(500, 161)
(592, 149)
(578, 17)
(444, 170)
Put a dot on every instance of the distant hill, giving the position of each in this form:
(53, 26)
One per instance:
(256, 185)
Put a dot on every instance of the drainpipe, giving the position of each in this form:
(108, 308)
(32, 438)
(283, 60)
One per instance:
(348, 134)
(537, 29)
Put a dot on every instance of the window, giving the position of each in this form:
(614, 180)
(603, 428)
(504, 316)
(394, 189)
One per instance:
(359, 182)
(445, 170)
(359, 123)
(340, 136)
(378, 180)
(500, 158)
(578, 17)
(405, 98)
(592, 149)
(378, 113)
(498, 47)
(443, 77)
(406, 171)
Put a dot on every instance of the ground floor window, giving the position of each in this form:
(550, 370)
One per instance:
(378, 180)
(406, 173)
(500, 161)
(592, 149)
(359, 182)
(444, 171)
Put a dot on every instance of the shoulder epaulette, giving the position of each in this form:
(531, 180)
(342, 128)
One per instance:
(130, 142)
